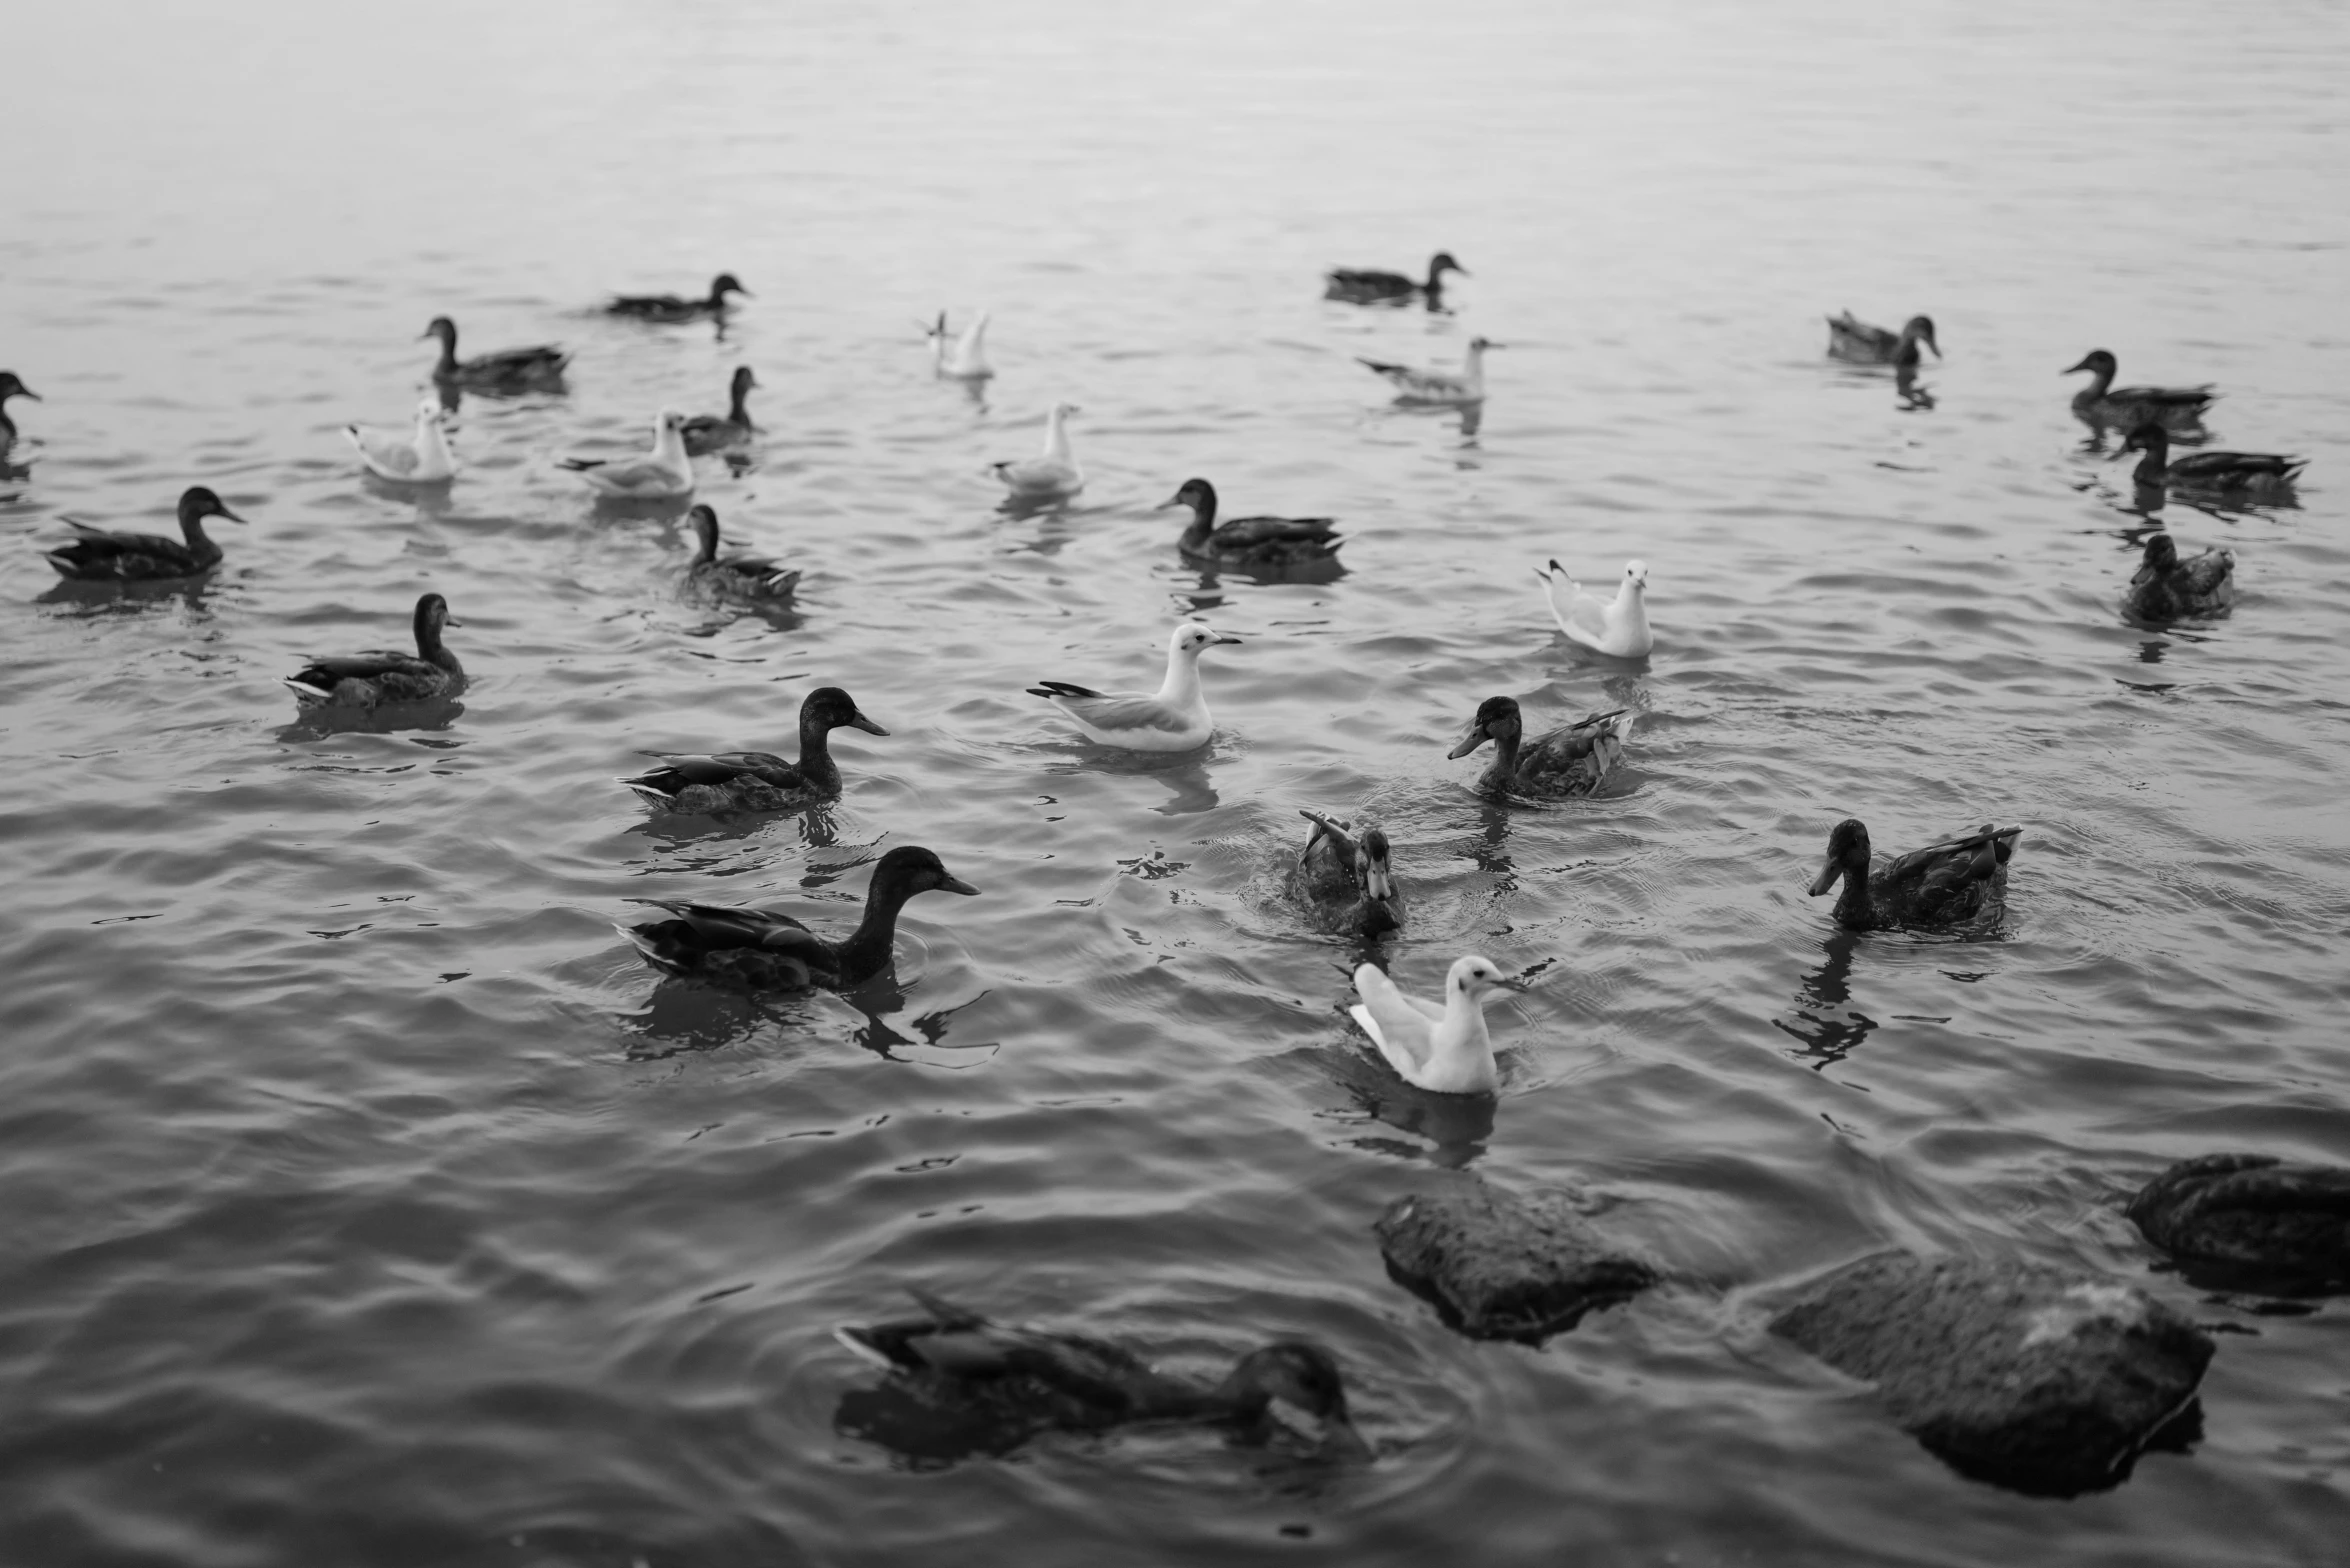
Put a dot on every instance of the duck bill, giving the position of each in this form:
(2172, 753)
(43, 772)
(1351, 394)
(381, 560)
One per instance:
(958, 885)
(231, 516)
(1379, 885)
(24, 391)
(867, 725)
(2070, 369)
(1470, 740)
(1170, 503)
(1827, 877)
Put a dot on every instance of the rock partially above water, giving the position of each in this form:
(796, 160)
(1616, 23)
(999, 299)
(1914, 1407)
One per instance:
(1502, 1266)
(2252, 1210)
(2030, 1377)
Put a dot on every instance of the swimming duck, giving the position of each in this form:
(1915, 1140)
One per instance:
(1854, 340)
(1618, 626)
(671, 307)
(1942, 884)
(368, 680)
(1344, 877)
(96, 555)
(1054, 474)
(508, 370)
(2167, 587)
(738, 576)
(663, 474)
(707, 433)
(1173, 718)
(1466, 385)
(1430, 1047)
(11, 387)
(2102, 403)
(1032, 1381)
(765, 951)
(418, 457)
(1250, 541)
(1374, 287)
(2250, 1209)
(758, 780)
(2245, 473)
(963, 360)
(1570, 760)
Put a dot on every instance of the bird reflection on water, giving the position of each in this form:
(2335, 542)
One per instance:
(1827, 1037)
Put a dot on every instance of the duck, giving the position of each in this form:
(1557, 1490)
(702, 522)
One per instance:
(707, 433)
(762, 950)
(10, 387)
(672, 307)
(2245, 473)
(1466, 385)
(1444, 1049)
(2167, 586)
(1028, 1381)
(1571, 760)
(1370, 287)
(95, 555)
(1173, 718)
(508, 370)
(1249, 541)
(737, 576)
(1054, 474)
(382, 675)
(758, 780)
(964, 359)
(1345, 877)
(1617, 627)
(663, 474)
(2253, 1210)
(2102, 403)
(1940, 885)
(1854, 340)
(418, 457)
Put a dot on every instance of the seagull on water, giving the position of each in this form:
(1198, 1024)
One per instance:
(1617, 626)
(964, 359)
(665, 473)
(1173, 718)
(1053, 475)
(1441, 1048)
(1465, 385)
(421, 457)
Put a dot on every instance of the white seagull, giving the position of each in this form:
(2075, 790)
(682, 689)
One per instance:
(966, 358)
(1441, 1048)
(421, 458)
(1466, 385)
(1173, 718)
(1617, 626)
(1054, 474)
(662, 474)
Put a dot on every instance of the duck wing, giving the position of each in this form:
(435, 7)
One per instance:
(1352, 280)
(97, 553)
(1849, 337)
(375, 663)
(1574, 759)
(539, 359)
(1288, 538)
(719, 769)
(706, 433)
(663, 305)
(1326, 866)
(715, 926)
(2234, 468)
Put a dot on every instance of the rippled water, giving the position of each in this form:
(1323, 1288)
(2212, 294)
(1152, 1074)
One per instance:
(372, 1204)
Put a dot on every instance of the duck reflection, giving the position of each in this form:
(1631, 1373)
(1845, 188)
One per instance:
(130, 598)
(680, 1016)
(1915, 396)
(392, 718)
(882, 996)
(1829, 1029)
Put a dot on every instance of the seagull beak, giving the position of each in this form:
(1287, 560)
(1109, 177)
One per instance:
(958, 885)
(1827, 877)
(1221, 638)
(1471, 738)
(867, 725)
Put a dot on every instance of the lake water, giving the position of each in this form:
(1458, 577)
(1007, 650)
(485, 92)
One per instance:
(371, 1203)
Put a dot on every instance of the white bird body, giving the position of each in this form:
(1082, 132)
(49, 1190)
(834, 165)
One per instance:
(1054, 474)
(662, 474)
(1173, 718)
(1466, 385)
(1617, 626)
(420, 457)
(1441, 1048)
(966, 359)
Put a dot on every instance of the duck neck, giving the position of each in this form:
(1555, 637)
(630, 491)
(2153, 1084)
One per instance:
(736, 411)
(429, 648)
(1905, 352)
(2154, 467)
(1504, 771)
(192, 530)
(2100, 383)
(7, 425)
(448, 364)
(1854, 906)
(816, 764)
(1203, 523)
(869, 949)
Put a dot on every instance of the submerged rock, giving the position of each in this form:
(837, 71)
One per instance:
(2254, 1211)
(1501, 1266)
(2030, 1377)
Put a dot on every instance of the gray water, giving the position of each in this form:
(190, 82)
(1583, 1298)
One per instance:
(371, 1203)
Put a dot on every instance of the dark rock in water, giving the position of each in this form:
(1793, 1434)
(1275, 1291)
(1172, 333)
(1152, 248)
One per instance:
(2252, 1211)
(1501, 1266)
(2030, 1377)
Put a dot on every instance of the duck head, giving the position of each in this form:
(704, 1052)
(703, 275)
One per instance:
(11, 387)
(1374, 872)
(742, 382)
(1191, 639)
(1305, 1377)
(830, 708)
(1472, 976)
(446, 330)
(2097, 362)
(1497, 719)
(1848, 855)
(2148, 438)
(1442, 263)
(911, 869)
(197, 503)
(724, 284)
(1921, 328)
(2161, 558)
(1197, 494)
(432, 613)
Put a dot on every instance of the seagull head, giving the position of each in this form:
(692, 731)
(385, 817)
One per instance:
(1472, 976)
(1636, 577)
(1194, 638)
